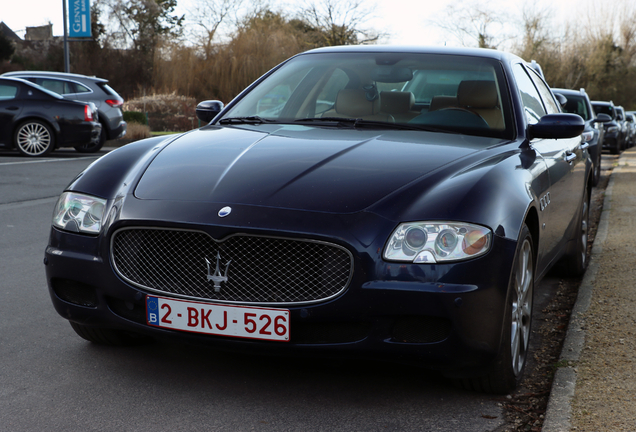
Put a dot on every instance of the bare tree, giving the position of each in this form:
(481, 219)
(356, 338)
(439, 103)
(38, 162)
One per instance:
(341, 22)
(208, 16)
(474, 24)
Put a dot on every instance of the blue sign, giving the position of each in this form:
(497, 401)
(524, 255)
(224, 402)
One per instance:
(79, 18)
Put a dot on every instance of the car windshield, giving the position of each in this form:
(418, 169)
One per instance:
(577, 105)
(449, 93)
(604, 109)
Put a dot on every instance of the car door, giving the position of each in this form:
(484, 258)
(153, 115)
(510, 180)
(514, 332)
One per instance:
(10, 108)
(565, 164)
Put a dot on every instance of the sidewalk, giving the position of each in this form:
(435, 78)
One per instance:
(595, 387)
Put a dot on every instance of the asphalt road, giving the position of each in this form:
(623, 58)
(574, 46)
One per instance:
(52, 380)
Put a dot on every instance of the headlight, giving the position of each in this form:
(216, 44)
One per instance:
(79, 213)
(431, 242)
(587, 136)
(612, 129)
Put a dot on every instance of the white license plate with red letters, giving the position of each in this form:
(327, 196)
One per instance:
(218, 319)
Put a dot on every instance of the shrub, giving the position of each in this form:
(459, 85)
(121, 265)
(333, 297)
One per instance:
(166, 112)
(136, 117)
(136, 131)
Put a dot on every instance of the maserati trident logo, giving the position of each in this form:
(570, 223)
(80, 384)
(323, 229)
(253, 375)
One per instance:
(218, 277)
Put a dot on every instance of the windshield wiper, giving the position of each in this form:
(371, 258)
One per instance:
(244, 120)
(358, 122)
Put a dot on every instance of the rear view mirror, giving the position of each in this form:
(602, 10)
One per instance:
(390, 74)
(561, 99)
(207, 110)
(553, 126)
(603, 118)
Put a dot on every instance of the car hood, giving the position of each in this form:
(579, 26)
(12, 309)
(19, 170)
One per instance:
(298, 167)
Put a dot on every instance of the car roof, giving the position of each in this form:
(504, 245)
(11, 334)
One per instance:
(568, 91)
(53, 74)
(475, 52)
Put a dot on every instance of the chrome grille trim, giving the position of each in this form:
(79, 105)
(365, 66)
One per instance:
(263, 270)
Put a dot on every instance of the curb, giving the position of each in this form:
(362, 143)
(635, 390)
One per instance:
(559, 409)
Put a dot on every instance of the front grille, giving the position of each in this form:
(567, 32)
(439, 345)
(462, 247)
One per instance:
(258, 269)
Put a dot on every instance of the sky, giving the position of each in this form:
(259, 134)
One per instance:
(408, 22)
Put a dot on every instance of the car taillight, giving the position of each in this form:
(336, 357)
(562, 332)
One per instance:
(88, 113)
(115, 103)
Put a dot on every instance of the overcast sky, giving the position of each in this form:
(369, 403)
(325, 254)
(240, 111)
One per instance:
(409, 22)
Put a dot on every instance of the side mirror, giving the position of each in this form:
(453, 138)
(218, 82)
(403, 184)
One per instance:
(603, 118)
(553, 126)
(562, 100)
(207, 110)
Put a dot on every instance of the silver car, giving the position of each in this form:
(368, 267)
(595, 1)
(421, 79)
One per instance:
(86, 89)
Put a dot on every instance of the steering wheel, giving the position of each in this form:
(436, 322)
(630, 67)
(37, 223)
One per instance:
(464, 110)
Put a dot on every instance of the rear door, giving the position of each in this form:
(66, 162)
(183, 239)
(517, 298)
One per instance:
(10, 108)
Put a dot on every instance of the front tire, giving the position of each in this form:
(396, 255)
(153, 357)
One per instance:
(596, 174)
(575, 262)
(34, 138)
(507, 369)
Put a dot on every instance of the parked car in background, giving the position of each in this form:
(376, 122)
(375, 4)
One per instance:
(35, 121)
(578, 102)
(86, 89)
(350, 217)
(614, 140)
(624, 127)
(630, 121)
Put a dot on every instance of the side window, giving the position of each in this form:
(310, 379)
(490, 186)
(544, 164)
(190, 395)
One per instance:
(529, 95)
(546, 94)
(8, 92)
(327, 97)
(57, 86)
(79, 88)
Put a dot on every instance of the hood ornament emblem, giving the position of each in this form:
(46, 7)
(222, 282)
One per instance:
(225, 211)
(218, 277)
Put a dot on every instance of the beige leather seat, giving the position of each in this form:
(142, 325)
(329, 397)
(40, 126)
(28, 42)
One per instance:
(481, 97)
(399, 105)
(352, 103)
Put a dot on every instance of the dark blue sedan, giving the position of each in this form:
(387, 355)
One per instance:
(384, 202)
(36, 121)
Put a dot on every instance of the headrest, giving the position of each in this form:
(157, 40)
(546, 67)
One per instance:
(477, 94)
(353, 103)
(396, 102)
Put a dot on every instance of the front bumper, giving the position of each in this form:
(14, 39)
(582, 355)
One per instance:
(447, 317)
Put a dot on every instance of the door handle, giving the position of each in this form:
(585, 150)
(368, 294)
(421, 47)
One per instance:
(569, 157)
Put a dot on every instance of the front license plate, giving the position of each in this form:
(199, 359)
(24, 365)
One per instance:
(218, 319)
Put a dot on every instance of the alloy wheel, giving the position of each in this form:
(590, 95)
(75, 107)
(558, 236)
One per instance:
(522, 307)
(34, 139)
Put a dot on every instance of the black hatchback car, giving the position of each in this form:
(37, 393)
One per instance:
(578, 102)
(385, 202)
(36, 121)
(614, 139)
